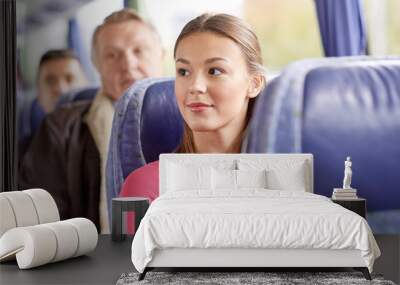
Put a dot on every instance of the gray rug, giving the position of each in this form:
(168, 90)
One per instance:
(270, 278)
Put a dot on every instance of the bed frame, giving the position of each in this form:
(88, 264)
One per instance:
(246, 258)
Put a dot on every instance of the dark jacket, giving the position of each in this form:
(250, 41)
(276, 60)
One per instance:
(30, 115)
(63, 159)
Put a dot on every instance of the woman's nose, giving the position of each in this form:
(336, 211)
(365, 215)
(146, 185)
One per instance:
(198, 84)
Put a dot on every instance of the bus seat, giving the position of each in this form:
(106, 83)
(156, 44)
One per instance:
(87, 93)
(31, 114)
(141, 119)
(335, 108)
(354, 110)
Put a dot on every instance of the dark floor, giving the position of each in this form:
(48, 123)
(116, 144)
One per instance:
(389, 262)
(103, 266)
(110, 260)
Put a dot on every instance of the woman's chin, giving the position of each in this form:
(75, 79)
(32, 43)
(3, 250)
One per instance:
(201, 128)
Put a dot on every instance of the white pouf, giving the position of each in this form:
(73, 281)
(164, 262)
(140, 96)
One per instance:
(33, 246)
(45, 205)
(66, 237)
(40, 244)
(87, 234)
(7, 220)
(23, 208)
(26, 208)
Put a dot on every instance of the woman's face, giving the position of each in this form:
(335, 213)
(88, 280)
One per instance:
(212, 85)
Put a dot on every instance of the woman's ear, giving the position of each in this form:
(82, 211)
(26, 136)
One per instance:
(256, 85)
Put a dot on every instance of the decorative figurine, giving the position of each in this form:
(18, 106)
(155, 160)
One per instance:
(347, 192)
(347, 173)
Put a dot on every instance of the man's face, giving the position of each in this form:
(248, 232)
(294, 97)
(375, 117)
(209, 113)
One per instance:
(56, 77)
(126, 52)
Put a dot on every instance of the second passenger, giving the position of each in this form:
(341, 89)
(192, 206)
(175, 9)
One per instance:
(68, 155)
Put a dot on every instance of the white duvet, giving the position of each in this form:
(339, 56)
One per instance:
(251, 218)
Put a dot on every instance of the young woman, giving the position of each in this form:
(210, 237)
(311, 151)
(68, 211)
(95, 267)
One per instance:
(219, 73)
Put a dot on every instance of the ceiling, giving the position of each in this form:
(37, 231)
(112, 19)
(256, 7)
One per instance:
(32, 14)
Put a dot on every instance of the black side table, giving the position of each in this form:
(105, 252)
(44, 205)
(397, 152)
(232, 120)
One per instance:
(139, 205)
(358, 206)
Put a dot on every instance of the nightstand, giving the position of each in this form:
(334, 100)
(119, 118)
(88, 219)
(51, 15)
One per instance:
(120, 206)
(358, 205)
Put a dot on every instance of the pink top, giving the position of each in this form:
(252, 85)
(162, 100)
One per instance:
(143, 182)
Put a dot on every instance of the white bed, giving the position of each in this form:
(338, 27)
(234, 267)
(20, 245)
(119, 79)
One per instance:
(268, 218)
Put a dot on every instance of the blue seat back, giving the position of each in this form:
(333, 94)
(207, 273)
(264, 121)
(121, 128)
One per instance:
(333, 108)
(354, 110)
(87, 93)
(31, 114)
(150, 127)
(146, 123)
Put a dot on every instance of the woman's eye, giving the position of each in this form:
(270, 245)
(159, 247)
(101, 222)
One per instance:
(214, 71)
(183, 72)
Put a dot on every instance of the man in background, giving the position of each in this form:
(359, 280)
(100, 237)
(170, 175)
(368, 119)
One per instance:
(68, 156)
(59, 72)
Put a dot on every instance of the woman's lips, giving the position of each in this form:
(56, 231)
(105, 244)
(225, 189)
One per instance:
(198, 107)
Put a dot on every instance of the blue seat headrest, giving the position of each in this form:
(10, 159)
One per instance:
(87, 93)
(161, 124)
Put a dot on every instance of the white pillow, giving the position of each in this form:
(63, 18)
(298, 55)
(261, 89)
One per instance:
(288, 179)
(223, 179)
(251, 178)
(281, 174)
(226, 179)
(181, 177)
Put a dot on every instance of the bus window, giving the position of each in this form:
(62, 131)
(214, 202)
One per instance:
(282, 41)
(383, 24)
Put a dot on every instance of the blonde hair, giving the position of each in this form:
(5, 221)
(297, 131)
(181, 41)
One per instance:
(238, 31)
(120, 16)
